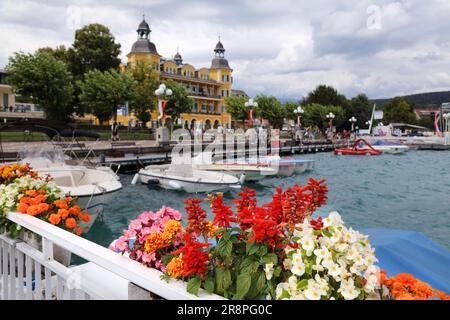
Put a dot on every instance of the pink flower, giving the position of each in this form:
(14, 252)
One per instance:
(135, 225)
(159, 265)
(121, 244)
(148, 257)
(138, 254)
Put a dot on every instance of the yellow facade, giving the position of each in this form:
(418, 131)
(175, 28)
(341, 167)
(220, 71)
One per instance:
(206, 86)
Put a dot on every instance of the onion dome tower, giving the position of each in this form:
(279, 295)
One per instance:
(178, 59)
(219, 61)
(143, 50)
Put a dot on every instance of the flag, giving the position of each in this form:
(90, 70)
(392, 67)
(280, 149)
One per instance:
(161, 107)
(250, 117)
(437, 117)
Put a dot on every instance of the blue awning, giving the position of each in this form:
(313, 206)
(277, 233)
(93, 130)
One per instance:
(411, 252)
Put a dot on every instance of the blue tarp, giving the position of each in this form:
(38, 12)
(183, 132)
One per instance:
(411, 252)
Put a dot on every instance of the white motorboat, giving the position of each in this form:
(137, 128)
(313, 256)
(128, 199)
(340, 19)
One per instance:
(187, 178)
(93, 187)
(389, 147)
(252, 172)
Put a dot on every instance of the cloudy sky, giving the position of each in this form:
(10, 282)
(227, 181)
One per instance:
(283, 47)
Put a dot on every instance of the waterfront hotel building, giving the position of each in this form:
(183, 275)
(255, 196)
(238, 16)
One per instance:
(208, 87)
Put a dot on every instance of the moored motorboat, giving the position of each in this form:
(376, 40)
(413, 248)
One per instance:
(93, 188)
(389, 147)
(187, 178)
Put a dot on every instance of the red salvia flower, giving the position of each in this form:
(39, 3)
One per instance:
(196, 217)
(223, 213)
(244, 206)
(265, 228)
(194, 259)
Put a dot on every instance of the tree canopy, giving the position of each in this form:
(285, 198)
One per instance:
(143, 98)
(178, 102)
(399, 110)
(326, 95)
(236, 107)
(271, 109)
(315, 115)
(360, 108)
(103, 93)
(94, 48)
(44, 80)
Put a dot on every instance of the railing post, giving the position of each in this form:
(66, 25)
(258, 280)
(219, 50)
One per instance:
(47, 249)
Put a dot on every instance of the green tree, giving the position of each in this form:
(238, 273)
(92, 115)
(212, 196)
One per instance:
(360, 108)
(43, 80)
(95, 48)
(399, 110)
(271, 109)
(326, 95)
(144, 98)
(102, 93)
(315, 116)
(178, 102)
(236, 108)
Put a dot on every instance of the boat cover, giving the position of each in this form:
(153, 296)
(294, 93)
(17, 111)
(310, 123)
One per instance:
(411, 252)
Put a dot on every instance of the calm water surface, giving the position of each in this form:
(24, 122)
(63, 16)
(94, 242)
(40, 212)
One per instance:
(410, 191)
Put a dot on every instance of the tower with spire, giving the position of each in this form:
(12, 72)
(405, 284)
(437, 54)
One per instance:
(143, 50)
(220, 71)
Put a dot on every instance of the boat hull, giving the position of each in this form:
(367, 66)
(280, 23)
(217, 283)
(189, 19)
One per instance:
(170, 183)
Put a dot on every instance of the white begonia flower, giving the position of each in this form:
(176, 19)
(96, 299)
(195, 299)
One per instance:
(348, 290)
(297, 258)
(298, 269)
(335, 271)
(281, 287)
(268, 269)
(350, 236)
(307, 243)
(312, 293)
(352, 253)
(321, 252)
(333, 219)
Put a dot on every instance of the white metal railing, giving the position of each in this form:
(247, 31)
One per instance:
(30, 273)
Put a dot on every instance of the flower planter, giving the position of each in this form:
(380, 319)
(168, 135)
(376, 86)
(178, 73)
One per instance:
(60, 255)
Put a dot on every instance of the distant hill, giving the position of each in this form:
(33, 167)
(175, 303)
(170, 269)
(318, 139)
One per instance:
(429, 99)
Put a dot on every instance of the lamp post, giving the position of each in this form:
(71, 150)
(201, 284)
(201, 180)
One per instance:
(162, 93)
(250, 104)
(299, 112)
(352, 120)
(331, 116)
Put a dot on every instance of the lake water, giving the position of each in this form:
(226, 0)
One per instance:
(410, 191)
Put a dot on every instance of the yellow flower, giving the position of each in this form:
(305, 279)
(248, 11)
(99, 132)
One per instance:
(153, 242)
(175, 267)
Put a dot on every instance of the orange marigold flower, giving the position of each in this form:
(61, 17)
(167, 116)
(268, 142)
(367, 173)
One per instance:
(63, 213)
(40, 198)
(153, 242)
(42, 191)
(75, 210)
(31, 193)
(43, 207)
(175, 267)
(61, 204)
(71, 223)
(22, 207)
(78, 231)
(33, 210)
(54, 219)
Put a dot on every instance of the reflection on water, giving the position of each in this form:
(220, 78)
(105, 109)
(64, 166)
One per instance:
(410, 191)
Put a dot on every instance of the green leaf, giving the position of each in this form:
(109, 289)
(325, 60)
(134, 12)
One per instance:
(326, 233)
(194, 285)
(262, 250)
(224, 248)
(270, 258)
(223, 280)
(252, 248)
(243, 283)
(284, 295)
(249, 265)
(302, 284)
(277, 271)
(258, 284)
(167, 258)
(209, 284)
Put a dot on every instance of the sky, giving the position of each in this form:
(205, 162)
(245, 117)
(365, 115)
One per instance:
(283, 48)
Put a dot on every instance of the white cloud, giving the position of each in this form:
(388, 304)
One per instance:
(283, 47)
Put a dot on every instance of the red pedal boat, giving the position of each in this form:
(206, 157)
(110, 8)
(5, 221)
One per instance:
(358, 151)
